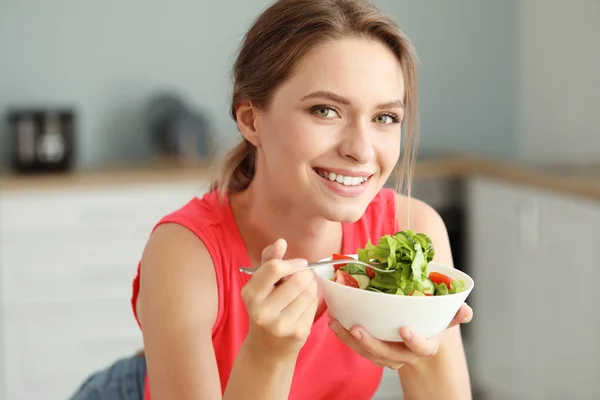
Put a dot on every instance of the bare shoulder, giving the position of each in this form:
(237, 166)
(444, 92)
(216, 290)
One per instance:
(175, 263)
(424, 218)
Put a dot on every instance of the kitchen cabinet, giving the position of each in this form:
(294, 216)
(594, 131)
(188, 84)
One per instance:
(535, 259)
(68, 256)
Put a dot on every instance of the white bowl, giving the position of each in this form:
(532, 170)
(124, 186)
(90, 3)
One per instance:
(382, 315)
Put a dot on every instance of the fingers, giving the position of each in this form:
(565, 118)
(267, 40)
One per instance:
(346, 337)
(273, 269)
(259, 288)
(276, 251)
(395, 353)
(295, 314)
(281, 300)
(355, 344)
(264, 280)
(305, 312)
(391, 355)
(463, 316)
(418, 344)
(286, 293)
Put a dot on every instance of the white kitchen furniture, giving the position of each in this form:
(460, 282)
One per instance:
(535, 258)
(68, 256)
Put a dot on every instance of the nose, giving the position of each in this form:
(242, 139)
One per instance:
(356, 143)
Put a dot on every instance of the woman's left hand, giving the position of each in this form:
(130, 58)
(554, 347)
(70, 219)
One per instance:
(395, 354)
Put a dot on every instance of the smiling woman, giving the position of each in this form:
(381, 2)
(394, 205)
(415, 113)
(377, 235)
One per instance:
(272, 53)
(325, 100)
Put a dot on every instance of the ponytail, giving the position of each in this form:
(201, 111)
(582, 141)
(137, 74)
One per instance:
(237, 170)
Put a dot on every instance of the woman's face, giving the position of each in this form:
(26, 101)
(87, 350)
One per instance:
(331, 136)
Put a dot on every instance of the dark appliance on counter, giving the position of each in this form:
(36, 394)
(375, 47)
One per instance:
(176, 129)
(42, 140)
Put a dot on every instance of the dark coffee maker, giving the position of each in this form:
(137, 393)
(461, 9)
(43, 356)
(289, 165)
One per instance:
(42, 140)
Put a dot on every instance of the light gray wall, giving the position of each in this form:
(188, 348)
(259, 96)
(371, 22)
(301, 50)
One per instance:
(107, 57)
(468, 80)
(560, 81)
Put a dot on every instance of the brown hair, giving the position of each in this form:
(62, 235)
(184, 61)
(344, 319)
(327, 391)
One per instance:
(279, 38)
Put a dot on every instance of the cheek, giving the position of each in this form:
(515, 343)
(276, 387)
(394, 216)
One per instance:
(279, 135)
(389, 151)
(294, 140)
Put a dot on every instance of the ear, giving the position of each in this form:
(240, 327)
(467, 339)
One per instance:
(247, 122)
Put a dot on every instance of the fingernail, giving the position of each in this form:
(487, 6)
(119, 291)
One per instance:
(357, 335)
(335, 327)
(300, 263)
(405, 333)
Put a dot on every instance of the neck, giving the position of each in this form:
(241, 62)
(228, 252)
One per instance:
(262, 219)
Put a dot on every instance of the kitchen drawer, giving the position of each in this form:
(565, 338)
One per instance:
(49, 351)
(69, 266)
(503, 199)
(92, 208)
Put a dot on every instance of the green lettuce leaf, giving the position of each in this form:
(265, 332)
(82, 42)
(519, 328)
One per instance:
(406, 253)
(354, 269)
(457, 286)
(384, 282)
(441, 289)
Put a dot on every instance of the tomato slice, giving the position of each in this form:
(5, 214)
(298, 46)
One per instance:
(370, 272)
(340, 257)
(345, 279)
(439, 278)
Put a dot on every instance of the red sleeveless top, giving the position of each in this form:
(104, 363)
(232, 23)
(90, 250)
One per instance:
(326, 368)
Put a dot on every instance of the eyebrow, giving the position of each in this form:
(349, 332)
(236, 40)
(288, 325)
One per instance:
(342, 100)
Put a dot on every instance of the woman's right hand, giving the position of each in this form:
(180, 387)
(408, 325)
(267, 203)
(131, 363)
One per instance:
(281, 315)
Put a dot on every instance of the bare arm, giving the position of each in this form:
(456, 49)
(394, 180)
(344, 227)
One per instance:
(177, 308)
(445, 375)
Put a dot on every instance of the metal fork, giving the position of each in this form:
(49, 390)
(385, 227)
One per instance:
(252, 270)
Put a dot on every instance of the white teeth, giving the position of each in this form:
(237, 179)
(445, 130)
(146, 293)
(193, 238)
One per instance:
(343, 180)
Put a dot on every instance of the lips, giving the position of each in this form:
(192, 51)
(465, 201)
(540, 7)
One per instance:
(345, 180)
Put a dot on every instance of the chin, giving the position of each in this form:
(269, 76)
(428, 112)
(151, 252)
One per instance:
(348, 213)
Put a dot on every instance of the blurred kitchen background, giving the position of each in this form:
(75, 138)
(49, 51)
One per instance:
(120, 107)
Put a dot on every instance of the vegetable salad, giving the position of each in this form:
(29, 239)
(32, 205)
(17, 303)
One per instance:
(408, 254)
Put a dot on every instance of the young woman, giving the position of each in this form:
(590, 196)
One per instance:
(324, 91)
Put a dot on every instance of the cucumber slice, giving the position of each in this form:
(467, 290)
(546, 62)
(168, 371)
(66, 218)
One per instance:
(428, 285)
(363, 280)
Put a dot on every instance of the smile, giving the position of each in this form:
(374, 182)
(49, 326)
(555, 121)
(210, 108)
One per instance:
(341, 179)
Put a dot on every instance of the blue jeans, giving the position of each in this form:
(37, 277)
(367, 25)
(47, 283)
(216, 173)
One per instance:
(123, 380)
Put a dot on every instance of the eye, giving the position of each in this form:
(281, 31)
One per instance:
(324, 112)
(387, 118)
